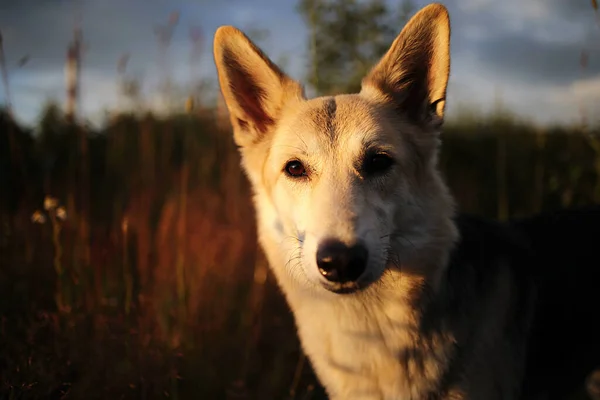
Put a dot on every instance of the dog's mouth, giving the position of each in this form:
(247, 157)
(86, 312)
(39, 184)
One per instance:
(345, 288)
(349, 287)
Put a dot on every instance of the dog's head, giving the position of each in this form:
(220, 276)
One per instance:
(346, 187)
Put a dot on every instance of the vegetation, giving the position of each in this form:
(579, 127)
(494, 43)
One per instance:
(169, 295)
(346, 37)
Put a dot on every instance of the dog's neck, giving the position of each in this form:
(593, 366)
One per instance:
(377, 345)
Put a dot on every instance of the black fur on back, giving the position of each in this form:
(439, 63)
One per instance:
(554, 260)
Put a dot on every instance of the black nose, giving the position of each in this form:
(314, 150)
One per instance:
(340, 263)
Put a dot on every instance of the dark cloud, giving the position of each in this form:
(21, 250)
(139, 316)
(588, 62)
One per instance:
(538, 42)
(43, 30)
(502, 43)
(572, 9)
(522, 58)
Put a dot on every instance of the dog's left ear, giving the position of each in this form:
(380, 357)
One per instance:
(413, 74)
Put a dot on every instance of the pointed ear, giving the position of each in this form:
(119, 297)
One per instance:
(254, 88)
(413, 74)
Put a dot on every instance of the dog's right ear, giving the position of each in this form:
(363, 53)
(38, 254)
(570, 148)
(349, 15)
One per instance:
(254, 88)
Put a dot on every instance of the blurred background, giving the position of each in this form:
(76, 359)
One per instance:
(128, 258)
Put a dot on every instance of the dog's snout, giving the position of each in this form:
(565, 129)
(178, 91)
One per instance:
(340, 263)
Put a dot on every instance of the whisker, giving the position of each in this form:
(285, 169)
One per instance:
(292, 147)
(296, 238)
(398, 235)
(301, 139)
(296, 254)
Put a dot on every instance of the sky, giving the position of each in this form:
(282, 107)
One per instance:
(523, 53)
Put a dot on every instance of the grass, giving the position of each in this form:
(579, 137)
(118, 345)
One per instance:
(165, 294)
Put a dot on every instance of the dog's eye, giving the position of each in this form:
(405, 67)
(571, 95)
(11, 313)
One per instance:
(377, 163)
(295, 169)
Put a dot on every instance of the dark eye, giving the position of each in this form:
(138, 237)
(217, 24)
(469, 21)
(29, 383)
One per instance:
(377, 163)
(295, 169)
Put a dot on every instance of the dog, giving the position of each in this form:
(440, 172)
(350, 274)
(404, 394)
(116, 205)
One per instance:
(395, 294)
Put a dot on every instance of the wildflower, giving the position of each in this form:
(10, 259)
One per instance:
(125, 224)
(61, 213)
(189, 104)
(38, 217)
(50, 203)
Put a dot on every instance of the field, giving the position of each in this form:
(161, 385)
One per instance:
(128, 258)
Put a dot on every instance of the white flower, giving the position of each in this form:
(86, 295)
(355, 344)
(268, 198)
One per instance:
(50, 203)
(61, 213)
(38, 217)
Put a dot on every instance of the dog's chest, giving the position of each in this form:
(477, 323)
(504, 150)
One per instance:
(362, 355)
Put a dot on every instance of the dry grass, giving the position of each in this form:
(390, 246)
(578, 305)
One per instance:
(174, 300)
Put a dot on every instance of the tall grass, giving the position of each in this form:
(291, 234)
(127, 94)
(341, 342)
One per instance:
(175, 299)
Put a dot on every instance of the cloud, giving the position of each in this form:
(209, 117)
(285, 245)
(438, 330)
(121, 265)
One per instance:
(110, 28)
(539, 40)
(529, 50)
(543, 18)
(31, 94)
(43, 29)
(583, 94)
(521, 58)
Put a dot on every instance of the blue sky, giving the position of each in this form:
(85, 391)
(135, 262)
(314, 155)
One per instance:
(524, 52)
